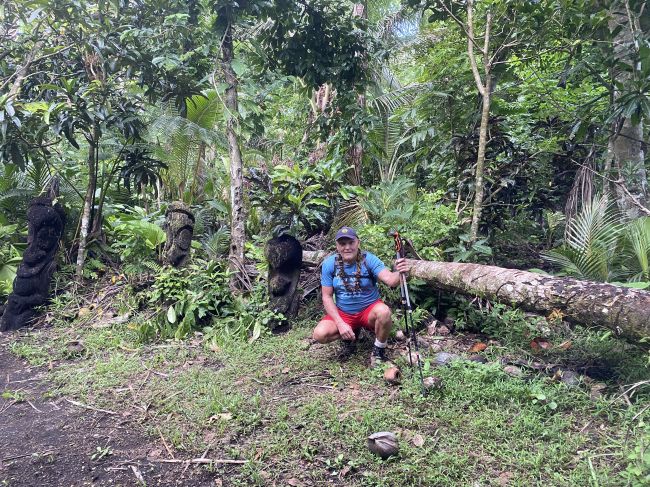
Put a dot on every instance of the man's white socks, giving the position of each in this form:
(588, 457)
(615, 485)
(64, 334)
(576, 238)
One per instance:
(379, 344)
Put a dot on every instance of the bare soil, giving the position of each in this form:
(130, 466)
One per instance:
(50, 441)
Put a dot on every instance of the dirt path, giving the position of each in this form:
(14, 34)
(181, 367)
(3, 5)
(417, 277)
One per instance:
(50, 441)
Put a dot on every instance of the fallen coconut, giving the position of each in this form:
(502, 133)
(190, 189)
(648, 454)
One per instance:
(383, 444)
(392, 375)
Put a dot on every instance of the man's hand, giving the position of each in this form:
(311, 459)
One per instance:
(401, 266)
(346, 331)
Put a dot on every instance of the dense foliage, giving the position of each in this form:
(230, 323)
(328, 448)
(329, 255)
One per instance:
(346, 114)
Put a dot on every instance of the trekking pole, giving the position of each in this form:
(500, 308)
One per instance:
(407, 311)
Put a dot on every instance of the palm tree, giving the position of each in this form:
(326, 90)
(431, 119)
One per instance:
(185, 144)
(591, 248)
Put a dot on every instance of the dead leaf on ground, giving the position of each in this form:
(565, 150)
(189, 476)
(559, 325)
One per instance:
(565, 345)
(539, 343)
(418, 440)
(345, 470)
(285, 370)
(513, 371)
(218, 482)
(155, 453)
(504, 478)
(597, 390)
(294, 482)
(478, 347)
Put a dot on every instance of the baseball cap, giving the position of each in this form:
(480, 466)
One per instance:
(346, 232)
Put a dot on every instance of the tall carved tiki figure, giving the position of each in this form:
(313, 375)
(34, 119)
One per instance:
(31, 285)
(284, 255)
(179, 227)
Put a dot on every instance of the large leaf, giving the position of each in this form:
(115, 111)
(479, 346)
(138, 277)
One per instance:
(591, 243)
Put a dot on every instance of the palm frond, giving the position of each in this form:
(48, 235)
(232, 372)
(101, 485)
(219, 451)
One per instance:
(217, 244)
(204, 110)
(389, 196)
(401, 96)
(350, 214)
(400, 25)
(636, 250)
(591, 245)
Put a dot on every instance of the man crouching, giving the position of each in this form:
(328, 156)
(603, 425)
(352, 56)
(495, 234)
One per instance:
(351, 297)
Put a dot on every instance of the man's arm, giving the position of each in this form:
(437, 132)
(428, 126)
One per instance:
(391, 278)
(332, 311)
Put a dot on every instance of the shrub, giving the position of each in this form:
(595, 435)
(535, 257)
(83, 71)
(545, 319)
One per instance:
(601, 247)
(428, 223)
(10, 256)
(135, 236)
(198, 297)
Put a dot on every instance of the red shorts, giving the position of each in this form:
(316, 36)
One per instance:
(357, 320)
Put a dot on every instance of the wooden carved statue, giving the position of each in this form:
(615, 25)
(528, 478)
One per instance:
(284, 255)
(31, 285)
(179, 227)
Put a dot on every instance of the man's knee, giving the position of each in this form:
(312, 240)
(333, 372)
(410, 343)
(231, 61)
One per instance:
(382, 313)
(322, 333)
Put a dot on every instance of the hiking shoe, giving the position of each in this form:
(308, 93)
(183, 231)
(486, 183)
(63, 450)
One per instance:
(347, 349)
(378, 357)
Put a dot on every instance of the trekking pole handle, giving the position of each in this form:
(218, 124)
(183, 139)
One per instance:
(399, 247)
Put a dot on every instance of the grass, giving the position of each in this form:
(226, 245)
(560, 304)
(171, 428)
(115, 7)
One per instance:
(295, 412)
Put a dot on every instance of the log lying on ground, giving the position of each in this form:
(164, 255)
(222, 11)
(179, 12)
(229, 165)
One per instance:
(623, 310)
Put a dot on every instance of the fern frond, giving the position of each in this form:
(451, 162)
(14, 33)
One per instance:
(151, 265)
(217, 244)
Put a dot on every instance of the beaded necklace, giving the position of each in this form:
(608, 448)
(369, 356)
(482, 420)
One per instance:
(345, 278)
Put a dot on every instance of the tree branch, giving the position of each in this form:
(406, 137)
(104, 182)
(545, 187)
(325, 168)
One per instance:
(470, 48)
(460, 24)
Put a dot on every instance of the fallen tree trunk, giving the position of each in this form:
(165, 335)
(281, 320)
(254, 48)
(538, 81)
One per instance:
(623, 310)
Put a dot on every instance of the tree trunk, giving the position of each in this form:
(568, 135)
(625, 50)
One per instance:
(356, 151)
(88, 202)
(623, 310)
(198, 182)
(627, 139)
(237, 230)
(629, 161)
(485, 89)
(479, 185)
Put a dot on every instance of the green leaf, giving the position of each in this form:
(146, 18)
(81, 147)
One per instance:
(171, 314)
(257, 331)
(238, 66)
(319, 201)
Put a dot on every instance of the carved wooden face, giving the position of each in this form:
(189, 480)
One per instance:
(47, 238)
(184, 238)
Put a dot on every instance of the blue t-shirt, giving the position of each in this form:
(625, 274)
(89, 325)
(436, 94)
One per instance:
(353, 301)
